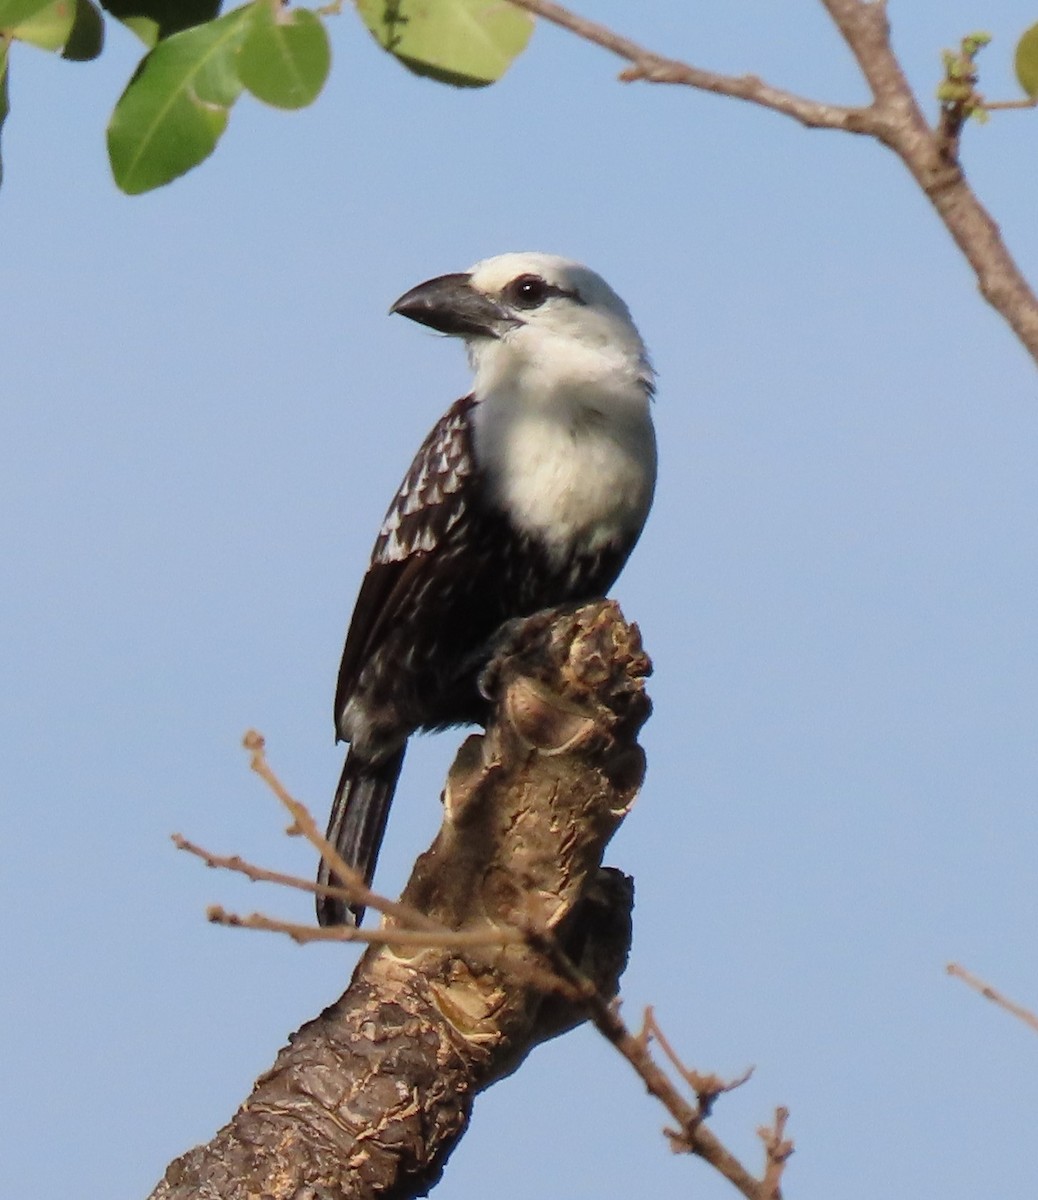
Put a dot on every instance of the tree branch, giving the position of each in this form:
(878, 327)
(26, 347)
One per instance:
(894, 118)
(650, 67)
(369, 1099)
(508, 934)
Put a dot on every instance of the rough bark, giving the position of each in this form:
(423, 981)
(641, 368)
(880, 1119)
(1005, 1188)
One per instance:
(368, 1099)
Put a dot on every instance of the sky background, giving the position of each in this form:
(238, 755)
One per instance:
(205, 412)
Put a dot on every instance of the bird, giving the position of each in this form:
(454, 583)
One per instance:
(530, 492)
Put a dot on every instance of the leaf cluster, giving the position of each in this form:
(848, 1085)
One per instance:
(198, 61)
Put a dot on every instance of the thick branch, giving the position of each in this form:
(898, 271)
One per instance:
(369, 1098)
(894, 118)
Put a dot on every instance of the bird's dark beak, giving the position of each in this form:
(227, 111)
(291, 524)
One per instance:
(451, 304)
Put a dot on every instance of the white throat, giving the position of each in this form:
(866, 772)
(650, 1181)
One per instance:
(565, 438)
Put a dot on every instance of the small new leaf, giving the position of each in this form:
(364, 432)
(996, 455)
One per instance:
(466, 43)
(176, 106)
(285, 57)
(957, 91)
(1026, 62)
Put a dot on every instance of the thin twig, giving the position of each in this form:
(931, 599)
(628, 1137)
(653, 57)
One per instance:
(996, 997)
(385, 935)
(692, 1136)
(997, 105)
(706, 1087)
(437, 936)
(393, 935)
(355, 888)
(234, 862)
(650, 67)
(414, 927)
(777, 1151)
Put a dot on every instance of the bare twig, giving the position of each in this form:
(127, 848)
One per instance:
(234, 862)
(386, 935)
(650, 67)
(415, 928)
(302, 822)
(706, 1087)
(777, 1150)
(996, 997)
(996, 105)
(692, 1136)
(894, 118)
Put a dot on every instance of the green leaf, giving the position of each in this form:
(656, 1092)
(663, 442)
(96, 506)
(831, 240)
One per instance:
(1027, 62)
(467, 43)
(15, 12)
(49, 28)
(165, 16)
(5, 107)
(175, 108)
(145, 28)
(74, 27)
(87, 36)
(285, 57)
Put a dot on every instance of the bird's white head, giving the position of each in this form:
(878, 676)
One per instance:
(561, 424)
(536, 320)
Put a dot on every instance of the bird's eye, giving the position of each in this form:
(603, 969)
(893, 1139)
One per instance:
(528, 291)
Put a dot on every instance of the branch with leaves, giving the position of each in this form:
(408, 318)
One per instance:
(895, 117)
(198, 63)
(510, 932)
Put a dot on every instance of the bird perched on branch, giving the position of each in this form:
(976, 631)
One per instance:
(528, 493)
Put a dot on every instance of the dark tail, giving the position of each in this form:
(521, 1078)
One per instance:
(356, 826)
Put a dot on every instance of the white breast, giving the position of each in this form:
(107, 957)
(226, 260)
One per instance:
(570, 476)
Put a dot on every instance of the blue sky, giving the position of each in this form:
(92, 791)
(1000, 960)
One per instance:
(206, 410)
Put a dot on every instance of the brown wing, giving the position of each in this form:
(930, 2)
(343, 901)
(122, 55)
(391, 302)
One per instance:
(430, 505)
